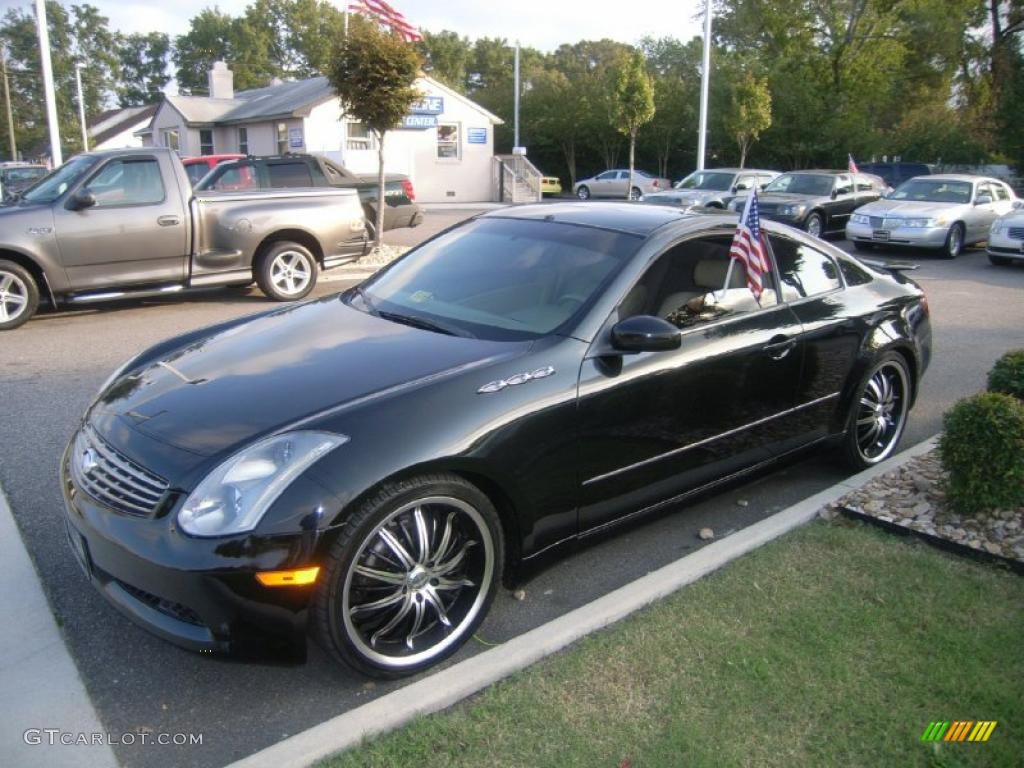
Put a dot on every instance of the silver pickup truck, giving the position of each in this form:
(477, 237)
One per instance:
(125, 223)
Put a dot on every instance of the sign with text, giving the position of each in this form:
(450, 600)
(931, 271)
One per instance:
(476, 135)
(428, 105)
(294, 138)
(419, 122)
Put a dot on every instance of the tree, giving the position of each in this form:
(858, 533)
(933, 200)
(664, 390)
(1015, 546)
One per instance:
(143, 67)
(447, 57)
(374, 74)
(750, 111)
(634, 104)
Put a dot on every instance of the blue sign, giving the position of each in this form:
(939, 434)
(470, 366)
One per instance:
(419, 122)
(295, 138)
(476, 135)
(428, 105)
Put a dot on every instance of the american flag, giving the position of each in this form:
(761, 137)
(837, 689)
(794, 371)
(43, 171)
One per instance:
(852, 166)
(748, 246)
(387, 16)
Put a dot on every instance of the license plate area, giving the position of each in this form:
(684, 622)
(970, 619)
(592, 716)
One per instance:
(80, 548)
(880, 234)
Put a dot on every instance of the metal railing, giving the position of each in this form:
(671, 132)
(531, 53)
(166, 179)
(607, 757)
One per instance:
(514, 179)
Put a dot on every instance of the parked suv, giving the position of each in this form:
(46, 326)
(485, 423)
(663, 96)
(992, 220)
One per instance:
(895, 173)
(301, 170)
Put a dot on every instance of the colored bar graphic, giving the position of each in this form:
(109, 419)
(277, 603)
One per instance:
(959, 730)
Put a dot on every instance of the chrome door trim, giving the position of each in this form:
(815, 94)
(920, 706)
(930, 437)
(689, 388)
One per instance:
(706, 440)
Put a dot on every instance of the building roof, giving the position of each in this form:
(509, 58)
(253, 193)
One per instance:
(289, 99)
(114, 121)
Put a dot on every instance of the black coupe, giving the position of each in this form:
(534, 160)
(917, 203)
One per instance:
(366, 467)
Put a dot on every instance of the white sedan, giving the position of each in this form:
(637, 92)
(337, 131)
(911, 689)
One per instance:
(1006, 237)
(945, 212)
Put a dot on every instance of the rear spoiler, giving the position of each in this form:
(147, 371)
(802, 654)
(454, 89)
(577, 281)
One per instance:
(891, 266)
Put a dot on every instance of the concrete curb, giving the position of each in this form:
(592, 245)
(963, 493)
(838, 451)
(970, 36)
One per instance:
(451, 685)
(41, 687)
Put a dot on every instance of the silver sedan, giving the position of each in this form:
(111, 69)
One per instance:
(946, 212)
(616, 182)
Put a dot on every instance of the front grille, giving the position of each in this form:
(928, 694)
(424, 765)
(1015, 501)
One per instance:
(166, 607)
(877, 222)
(1016, 233)
(112, 478)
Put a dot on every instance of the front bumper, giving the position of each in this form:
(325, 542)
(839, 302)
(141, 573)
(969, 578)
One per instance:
(200, 594)
(1005, 247)
(920, 237)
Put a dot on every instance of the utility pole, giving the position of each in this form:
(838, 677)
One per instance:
(51, 99)
(7, 101)
(81, 107)
(515, 141)
(705, 78)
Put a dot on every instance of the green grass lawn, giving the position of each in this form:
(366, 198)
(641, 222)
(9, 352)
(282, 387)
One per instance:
(835, 645)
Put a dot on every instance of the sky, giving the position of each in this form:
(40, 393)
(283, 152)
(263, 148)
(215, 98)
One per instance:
(543, 24)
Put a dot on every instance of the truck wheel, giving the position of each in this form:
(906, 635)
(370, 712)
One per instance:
(19, 295)
(286, 271)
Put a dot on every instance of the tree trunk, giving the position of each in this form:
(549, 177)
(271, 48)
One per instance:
(569, 150)
(379, 225)
(743, 154)
(632, 150)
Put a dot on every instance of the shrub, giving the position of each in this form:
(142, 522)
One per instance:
(982, 449)
(1007, 375)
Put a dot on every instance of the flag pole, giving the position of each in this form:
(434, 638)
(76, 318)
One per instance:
(48, 91)
(705, 77)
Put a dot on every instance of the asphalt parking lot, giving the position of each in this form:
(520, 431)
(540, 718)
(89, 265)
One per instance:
(53, 366)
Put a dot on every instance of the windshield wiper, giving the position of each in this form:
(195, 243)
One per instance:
(421, 322)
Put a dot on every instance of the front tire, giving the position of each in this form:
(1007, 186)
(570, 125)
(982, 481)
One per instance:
(286, 271)
(815, 224)
(954, 242)
(583, 193)
(878, 412)
(19, 295)
(410, 577)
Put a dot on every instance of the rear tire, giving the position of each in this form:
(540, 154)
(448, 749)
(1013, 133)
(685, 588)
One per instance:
(19, 295)
(286, 271)
(410, 576)
(583, 193)
(878, 412)
(635, 193)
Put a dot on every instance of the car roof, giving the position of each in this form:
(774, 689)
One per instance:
(958, 177)
(625, 217)
(734, 170)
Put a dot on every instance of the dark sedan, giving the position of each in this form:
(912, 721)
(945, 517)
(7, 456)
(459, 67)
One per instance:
(818, 202)
(368, 467)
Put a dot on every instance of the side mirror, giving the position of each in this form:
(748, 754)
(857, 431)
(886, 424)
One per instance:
(644, 333)
(983, 200)
(82, 200)
(743, 185)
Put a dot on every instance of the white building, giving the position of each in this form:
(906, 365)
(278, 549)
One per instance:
(445, 146)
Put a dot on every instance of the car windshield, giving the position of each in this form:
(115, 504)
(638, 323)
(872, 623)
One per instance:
(933, 191)
(801, 184)
(707, 180)
(499, 278)
(49, 188)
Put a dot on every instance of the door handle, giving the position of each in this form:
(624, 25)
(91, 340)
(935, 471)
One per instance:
(168, 221)
(779, 348)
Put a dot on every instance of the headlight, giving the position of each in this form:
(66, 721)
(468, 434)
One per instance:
(792, 210)
(860, 218)
(235, 496)
(922, 223)
(997, 227)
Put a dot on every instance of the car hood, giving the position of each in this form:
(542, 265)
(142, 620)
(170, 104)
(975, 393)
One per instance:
(693, 196)
(222, 391)
(915, 208)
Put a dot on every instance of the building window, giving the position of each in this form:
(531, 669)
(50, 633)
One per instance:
(206, 142)
(358, 136)
(282, 138)
(243, 141)
(448, 141)
(171, 139)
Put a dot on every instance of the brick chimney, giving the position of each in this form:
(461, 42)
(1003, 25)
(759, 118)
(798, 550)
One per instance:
(221, 81)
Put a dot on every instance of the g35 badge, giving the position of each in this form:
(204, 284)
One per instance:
(512, 381)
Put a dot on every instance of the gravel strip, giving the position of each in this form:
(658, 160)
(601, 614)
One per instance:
(913, 496)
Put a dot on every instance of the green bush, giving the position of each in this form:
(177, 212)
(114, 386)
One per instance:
(1007, 375)
(982, 449)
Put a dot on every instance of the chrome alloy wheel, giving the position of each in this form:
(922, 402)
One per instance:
(882, 412)
(291, 272)
(13, 296)
(418, 581)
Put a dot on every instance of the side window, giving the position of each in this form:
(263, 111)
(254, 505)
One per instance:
(283, 175)
(804, 271)
(745, 182)
(623, 175)
(133, 181)
(842, 185)
(606, 176)
(1001, 192)
(864, 184)
(852, 274)
(694, 283)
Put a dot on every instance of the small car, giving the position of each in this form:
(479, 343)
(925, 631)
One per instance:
(944, 213)
(614, 183)
(819, 202)
(1006, 237)
(366, 468)
(711, 188)
(550, 185)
